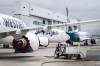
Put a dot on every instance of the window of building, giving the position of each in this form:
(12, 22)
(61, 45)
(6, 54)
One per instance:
(69, 28)
(54, 22)
(44, 21)
(58, 22)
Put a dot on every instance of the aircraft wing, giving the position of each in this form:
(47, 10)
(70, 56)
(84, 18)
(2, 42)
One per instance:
(73, 23)
(90, 21)
(24, 31)
(63, 25)
(57, 25)
(83, 22)
(19, 32)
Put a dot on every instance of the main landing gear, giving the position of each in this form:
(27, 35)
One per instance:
(69, 42)
(6, 46)
(92, 41)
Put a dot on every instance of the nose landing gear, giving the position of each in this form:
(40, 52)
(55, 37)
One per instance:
(69, 42)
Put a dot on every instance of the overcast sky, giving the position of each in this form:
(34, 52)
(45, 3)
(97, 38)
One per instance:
(80, 9)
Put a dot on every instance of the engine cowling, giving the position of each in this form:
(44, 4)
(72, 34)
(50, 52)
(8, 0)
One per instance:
(44, 41)
(28, 43)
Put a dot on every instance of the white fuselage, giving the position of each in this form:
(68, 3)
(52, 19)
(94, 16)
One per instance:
(55, 36)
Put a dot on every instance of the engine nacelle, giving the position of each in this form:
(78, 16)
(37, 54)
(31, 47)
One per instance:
(44, 41)
(28, 43)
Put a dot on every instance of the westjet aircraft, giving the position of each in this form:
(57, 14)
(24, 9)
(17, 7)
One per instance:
(15, 32)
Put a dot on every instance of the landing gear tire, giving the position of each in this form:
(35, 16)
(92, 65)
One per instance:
(6, 46)
(3, 46)
(78, 56)
(92, 41)
(70, 42)
(66, 56)
(86, 43)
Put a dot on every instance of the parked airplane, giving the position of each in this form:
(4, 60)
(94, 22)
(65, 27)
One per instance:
(14, 31)
(75, 35)
(78, 36)
(53, 36)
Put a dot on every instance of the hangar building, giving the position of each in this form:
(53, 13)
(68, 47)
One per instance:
(33, 15)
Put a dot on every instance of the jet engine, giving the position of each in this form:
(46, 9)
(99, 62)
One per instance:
(44, 41)
(28, 43)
